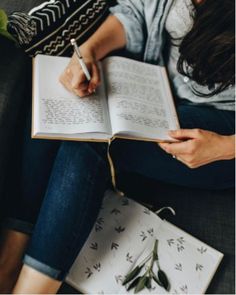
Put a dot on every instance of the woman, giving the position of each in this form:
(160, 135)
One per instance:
(200, 61)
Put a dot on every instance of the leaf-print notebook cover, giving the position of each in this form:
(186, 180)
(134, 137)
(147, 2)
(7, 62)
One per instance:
(124, 235)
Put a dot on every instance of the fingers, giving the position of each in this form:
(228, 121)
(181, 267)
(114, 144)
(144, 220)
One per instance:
(79, 83)
(179, 153)
(82, 90)
(95, 80)
(176, 148)
(198, 150)
(189, 162)
(74, 79)
(185, 152)
(184, 134)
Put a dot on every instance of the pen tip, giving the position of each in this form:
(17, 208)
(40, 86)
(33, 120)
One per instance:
(72, 41)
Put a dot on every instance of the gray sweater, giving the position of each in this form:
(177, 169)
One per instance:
(147, 24)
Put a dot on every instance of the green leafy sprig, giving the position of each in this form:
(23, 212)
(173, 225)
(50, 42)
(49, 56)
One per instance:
(3, 25)
(139, 282)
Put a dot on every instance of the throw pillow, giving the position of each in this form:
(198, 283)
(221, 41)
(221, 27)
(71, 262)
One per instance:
(48, 28)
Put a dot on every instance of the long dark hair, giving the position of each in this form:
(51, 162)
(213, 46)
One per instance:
(207, 52)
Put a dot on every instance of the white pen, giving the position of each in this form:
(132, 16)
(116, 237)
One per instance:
(80, 58)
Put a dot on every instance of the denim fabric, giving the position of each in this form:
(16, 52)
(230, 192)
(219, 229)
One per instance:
(44, 268)
(78, 181)
(31, 173)
(81, 174)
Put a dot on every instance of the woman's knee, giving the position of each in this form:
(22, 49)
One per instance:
(80, 149)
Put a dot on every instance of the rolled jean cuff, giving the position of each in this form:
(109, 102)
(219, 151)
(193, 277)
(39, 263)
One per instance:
(44, 268)
(18, 225)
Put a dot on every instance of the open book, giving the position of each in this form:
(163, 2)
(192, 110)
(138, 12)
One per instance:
(124, 235)
(134, 101)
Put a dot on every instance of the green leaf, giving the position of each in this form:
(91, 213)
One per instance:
(155, 255)
(163, 279)
(133, 284)
(141, 284)
(3, 25)
(130, 276)
(3, 20)
(157, 280)
(149, 283)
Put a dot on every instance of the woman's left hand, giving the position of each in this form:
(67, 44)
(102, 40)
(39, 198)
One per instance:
(199, 147)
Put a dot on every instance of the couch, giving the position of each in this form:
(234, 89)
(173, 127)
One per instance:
(15, 88)
(208, 215)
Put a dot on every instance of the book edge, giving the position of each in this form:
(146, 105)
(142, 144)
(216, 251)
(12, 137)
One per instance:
(33, 99)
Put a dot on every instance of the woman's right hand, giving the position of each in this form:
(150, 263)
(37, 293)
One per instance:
(109, 36)
(74, 79)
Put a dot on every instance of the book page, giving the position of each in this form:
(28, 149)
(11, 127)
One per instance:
(139, 98)
(58, 111)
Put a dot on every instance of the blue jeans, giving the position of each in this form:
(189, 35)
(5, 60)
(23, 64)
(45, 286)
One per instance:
(80, 174)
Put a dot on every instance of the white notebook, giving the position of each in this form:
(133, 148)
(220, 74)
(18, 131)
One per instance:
(124, 235)
(134, 101)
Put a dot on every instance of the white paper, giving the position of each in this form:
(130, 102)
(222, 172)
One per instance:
(124, 235)
(57, 110)
(139, 98)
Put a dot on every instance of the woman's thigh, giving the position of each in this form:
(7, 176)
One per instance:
(28, 184)
(149, 160)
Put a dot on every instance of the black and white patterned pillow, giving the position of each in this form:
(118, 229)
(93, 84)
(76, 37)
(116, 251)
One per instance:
(48, 28)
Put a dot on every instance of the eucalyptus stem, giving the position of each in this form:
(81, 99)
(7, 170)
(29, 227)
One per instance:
(145, 260)
(151, 266)
(145, 280)
(158, 264)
